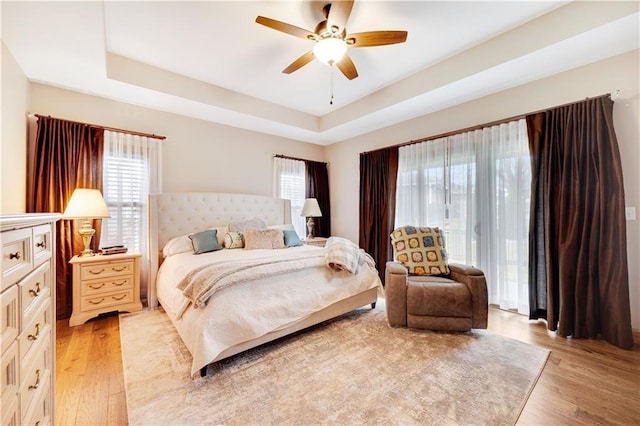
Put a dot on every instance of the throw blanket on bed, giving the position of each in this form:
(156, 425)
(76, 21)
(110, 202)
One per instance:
(345, 255)
(201, 283)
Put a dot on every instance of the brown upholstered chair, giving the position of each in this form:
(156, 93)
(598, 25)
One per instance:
(457, 302)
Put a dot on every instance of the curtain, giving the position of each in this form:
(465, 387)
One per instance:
(66, 156)
(578, 268)
(378, 176)
(475, 186)
(317, 186)
(132, 170)
(289, 184)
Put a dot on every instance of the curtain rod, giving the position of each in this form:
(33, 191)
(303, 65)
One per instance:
(112, 129)
(295, 158)
(481, 126)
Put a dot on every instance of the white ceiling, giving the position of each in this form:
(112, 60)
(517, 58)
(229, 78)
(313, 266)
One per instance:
(211, 61)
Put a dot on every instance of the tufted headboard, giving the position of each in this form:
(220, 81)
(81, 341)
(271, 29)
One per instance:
(173, 214)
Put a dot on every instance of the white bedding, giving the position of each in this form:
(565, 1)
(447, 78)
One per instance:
(248, 310)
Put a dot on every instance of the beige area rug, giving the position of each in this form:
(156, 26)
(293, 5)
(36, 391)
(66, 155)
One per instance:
(351, 370)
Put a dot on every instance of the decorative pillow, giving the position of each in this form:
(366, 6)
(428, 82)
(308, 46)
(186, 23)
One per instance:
(420, 250)
(291, 238)
(181, 244)
(263, 238)
(205, 241)
(233, 240)
(221, 233)
(253, 223)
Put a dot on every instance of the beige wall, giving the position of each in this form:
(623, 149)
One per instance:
(617, 73)
(13, 122)
(197, 155)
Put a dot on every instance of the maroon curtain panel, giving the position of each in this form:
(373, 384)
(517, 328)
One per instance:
(67, 155)
(578, 272)
(317, 186)
(378, 177)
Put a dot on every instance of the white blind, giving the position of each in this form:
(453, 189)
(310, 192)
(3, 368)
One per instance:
(289, 183)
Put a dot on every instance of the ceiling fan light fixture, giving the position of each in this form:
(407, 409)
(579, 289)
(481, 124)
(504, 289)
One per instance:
(330, 50)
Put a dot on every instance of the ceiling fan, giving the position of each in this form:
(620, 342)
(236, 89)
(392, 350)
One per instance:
(332, 39)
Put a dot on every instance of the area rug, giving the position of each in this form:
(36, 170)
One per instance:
(351, 370)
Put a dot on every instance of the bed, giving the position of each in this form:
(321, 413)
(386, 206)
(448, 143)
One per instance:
(245, 314)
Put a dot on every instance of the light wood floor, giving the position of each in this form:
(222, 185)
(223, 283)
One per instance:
(584, 381)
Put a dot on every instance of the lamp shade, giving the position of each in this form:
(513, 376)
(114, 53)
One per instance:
(86, 204)
(311, 208)
(329, 50)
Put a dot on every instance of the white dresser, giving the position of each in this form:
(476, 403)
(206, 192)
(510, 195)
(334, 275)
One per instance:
(27, 301)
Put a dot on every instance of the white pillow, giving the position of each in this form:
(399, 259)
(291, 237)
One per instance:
(181, 244)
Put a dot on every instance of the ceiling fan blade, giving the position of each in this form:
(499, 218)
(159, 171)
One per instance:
(299, 63)
(339, 13)
(347, 67)
(375, 38)
(286, 28)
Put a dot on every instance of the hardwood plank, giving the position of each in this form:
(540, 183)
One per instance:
(584, 381)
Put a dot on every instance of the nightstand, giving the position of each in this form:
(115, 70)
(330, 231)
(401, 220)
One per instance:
(104, 284)
(316, 241)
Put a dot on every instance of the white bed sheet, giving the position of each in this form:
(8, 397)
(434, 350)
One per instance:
(249, 310)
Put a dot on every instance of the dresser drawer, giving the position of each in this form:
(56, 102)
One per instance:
(16, 256)
(106, 269)
(10, 411)
(93, 287)
(10, 374)
(40, 411)
(9, 317)
(101, 301)
(42, 243)
(37, 329)
(35, 375)
(33, 289)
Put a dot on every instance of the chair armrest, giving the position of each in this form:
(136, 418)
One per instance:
(477, 284)
(395, 294)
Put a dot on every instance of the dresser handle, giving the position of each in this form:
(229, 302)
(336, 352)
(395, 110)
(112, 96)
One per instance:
(118, 284)
(96, 272)
(15, 255)
(98, 302)
(119, 270)
(37, 383)
(41, 244)
(35, 292)
(95, 287)
(35, 337)
(119, 298)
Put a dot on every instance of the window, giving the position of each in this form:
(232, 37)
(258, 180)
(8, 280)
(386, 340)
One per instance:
(289, 183)
(476, 187)
(131, 171)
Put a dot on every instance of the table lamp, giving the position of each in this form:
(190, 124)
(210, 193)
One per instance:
(310, 209)
(86, 204)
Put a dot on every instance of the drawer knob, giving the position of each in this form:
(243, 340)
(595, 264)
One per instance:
(35, 336)
(41, 244)
(37, 383)
(96, 272)
(93, 302)
(96, 286)
(15, 255)
(35, 292)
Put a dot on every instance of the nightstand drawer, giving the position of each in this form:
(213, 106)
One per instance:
(90, 288)
(90, 303)
(106, 269)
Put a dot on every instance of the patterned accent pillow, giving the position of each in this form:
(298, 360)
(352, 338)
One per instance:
(233, 240)
(420, 250)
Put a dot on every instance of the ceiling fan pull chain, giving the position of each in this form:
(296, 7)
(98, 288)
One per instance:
(331, 100)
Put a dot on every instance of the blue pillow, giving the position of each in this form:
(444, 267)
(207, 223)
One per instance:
(291, 239)
(205, 241)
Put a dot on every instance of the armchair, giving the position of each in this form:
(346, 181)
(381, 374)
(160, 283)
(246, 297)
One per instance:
(456, 302)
